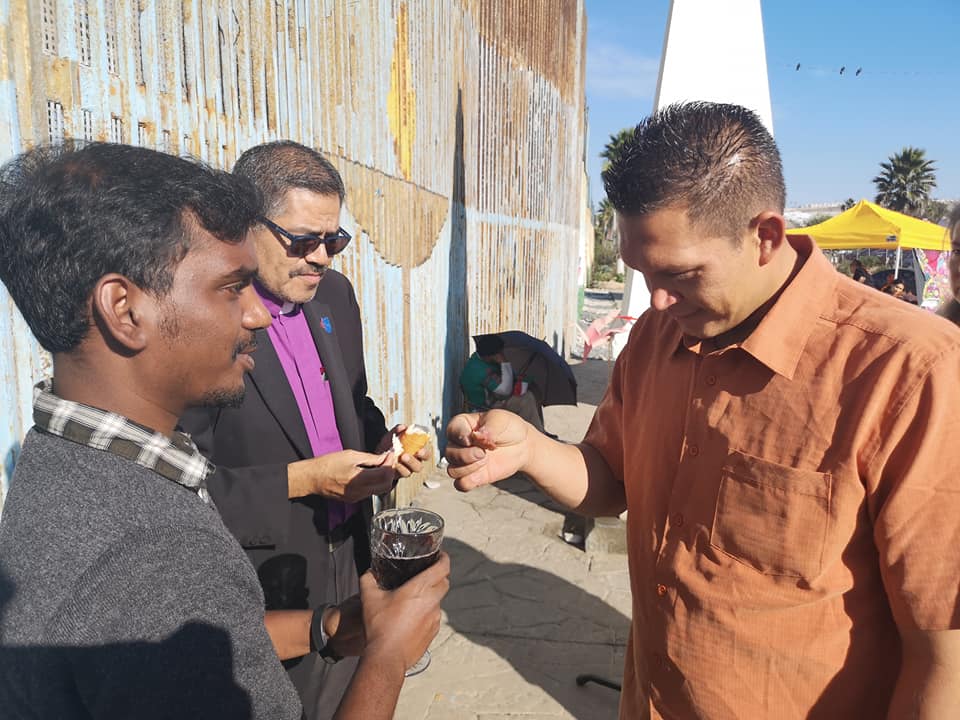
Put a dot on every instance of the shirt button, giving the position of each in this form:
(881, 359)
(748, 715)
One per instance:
(711, 380)
(693, 450)
(678, 520)
(661, 590)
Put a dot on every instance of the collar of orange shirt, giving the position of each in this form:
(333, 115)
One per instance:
(781, 336)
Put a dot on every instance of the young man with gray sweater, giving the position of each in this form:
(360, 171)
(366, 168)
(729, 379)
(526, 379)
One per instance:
(122, 594)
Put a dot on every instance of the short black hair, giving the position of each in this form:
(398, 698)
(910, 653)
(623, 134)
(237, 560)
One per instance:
(715, 160)
(278, 167)
(488, 345)
(72, 213)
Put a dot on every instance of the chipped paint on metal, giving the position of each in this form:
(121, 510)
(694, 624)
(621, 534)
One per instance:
(458, 126)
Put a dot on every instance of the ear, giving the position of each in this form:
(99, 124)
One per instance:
(770, 229)
(122, 311)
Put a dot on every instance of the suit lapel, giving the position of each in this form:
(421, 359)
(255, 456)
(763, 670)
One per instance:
(270, 381)
(320, 322)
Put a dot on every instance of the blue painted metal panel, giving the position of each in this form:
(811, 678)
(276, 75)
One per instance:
(458, 126)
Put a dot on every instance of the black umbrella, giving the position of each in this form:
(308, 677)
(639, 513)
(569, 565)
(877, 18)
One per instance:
(550, 378)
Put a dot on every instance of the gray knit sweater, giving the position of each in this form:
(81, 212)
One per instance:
(122, 595)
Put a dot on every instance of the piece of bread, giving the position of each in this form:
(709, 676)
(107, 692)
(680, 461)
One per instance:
(411, 440)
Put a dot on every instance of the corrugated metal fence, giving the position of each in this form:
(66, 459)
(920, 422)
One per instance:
(458, 128)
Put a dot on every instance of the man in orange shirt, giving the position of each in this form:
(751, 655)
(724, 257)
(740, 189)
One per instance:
(782, 437)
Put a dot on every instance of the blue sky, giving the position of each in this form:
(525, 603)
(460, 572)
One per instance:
(833, 130)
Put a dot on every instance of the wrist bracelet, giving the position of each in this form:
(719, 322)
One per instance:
(319, 640)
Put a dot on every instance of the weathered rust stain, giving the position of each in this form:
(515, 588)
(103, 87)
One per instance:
(402, 219)
(458, 128)
(539, 34)
(60, 75)
(402, 100)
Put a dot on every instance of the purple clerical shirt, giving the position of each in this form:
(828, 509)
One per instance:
(303, 367)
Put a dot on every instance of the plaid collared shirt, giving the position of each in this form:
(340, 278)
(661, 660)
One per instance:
(175, 458)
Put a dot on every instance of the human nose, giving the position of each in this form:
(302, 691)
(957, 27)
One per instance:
(255, 315)
(318, 255)
(661, 299)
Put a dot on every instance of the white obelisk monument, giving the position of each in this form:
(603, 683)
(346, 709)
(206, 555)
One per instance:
(713, 50)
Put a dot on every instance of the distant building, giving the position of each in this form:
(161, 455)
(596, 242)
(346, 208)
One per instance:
(803, 214)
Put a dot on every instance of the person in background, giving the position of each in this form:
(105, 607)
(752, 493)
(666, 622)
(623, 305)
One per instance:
(783, 440)
(858, 272)
(488, 381)
(898, 289)
(122, 595)
(951, 308)
(299, 459)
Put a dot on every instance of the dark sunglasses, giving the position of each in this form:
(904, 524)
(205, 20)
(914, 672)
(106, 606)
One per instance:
(306, 244)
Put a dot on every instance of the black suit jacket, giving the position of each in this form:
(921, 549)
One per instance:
(252, 445)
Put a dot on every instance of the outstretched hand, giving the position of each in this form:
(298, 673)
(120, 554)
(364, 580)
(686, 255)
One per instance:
(483, 448)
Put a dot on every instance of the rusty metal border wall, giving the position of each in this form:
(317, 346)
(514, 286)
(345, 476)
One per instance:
(458, 128)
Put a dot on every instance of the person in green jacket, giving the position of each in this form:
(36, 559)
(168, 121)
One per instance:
(487, 381)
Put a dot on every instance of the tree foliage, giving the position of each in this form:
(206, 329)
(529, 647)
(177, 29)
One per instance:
(905, 181)
(615, 145)
(605, 223)
(935, 210)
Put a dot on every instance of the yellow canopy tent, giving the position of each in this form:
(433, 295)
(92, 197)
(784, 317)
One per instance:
(866, 225)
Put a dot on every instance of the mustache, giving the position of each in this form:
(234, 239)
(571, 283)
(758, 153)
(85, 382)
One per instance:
(245, 347)
(310, 269)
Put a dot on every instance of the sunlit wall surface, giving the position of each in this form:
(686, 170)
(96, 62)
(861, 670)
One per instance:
(458, 127)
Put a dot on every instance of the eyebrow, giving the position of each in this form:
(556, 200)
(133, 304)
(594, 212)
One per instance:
(316, 233)
(244, 272)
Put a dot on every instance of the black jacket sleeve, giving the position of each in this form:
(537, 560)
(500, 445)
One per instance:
(236, 491)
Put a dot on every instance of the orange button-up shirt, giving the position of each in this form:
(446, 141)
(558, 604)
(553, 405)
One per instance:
(793, 500)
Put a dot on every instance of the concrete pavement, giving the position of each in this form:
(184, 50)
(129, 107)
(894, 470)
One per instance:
(526, 611)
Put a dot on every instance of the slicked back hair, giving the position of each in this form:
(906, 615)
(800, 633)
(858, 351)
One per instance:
(71, 214)
(715, 160)
(278, 167)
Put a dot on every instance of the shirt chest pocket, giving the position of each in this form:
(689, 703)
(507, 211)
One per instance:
(772, 517)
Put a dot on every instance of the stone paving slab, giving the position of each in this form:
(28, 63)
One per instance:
(484, 666)
(526, 612)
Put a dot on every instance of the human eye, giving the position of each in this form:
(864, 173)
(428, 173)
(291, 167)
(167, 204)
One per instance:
(238, 287)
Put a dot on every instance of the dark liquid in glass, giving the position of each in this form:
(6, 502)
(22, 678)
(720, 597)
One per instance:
(391, 573)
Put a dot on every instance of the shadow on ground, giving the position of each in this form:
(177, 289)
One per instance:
(592, 376)
(547, 628)
(568, 422)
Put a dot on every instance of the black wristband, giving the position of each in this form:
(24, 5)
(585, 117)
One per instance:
(319, 640)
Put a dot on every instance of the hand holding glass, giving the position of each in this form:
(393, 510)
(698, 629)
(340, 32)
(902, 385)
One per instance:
(403, 543)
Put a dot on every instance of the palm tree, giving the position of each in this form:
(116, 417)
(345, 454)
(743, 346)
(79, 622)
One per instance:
(605, 222)
(615, 145)
(905, 181)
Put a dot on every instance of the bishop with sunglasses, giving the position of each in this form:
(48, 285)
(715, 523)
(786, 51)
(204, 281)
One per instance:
(299, 459)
